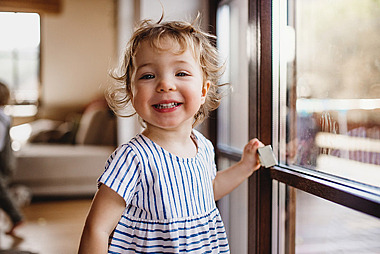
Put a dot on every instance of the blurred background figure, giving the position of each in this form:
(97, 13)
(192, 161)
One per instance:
(7, 164)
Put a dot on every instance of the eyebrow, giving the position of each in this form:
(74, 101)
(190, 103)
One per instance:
(151, 63)
(143, 65)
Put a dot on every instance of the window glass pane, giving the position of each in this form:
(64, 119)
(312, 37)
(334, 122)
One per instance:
(232, 22)
(333, 87)
(223, 44)
(233, 113)
(325, 227)
(20, 55)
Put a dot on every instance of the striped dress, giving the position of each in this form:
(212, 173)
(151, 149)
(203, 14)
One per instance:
(170, 205)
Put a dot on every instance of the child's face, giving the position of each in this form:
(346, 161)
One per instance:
(167, 88)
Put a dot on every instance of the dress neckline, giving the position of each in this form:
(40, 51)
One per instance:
(193, 136)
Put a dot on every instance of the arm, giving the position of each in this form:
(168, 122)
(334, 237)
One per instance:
(106, 210)
(227, 180)
(3, 133)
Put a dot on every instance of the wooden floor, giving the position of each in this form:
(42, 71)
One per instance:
(55, 227)
(51, 227)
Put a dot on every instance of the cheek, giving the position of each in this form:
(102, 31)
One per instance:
(197, 100)
(142, 99)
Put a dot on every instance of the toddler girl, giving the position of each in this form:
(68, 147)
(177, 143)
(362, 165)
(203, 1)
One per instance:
(158, 191)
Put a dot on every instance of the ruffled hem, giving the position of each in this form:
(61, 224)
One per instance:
(201, 234)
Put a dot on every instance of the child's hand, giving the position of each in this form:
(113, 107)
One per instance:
(228, 179)
(250, 157)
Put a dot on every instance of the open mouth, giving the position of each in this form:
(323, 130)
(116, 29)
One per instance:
(167, 105)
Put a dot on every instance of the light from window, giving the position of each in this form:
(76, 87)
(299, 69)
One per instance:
(20, 55)
(333, 89)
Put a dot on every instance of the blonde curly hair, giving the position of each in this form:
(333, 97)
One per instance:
(187, 35)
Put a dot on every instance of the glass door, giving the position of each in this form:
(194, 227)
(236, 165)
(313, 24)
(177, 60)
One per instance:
(327, 85)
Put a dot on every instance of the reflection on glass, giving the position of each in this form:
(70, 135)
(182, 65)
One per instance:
(333, 88)
(325, 227)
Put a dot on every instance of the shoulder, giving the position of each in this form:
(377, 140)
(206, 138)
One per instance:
(203, 143)
(141, 146)
(133, 145)
(137, 146)
(202, 139)
(4, 119)
(127, 151)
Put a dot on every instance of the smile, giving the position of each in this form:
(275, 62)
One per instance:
(166, 105)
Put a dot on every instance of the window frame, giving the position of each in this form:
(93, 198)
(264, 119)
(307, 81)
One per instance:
(339, 191)
(46, 6)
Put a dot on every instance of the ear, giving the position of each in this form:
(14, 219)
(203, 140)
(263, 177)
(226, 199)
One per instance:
(205, 87)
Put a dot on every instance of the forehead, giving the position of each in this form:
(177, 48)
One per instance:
(166, 43)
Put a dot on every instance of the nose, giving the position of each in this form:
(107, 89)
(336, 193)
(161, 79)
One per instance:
(165, 85)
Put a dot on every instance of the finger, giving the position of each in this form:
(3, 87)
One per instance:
(257, 143)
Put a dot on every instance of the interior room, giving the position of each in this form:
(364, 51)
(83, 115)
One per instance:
(304, 77)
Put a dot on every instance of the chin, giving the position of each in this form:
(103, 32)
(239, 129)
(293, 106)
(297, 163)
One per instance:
(168, 126)
(171, 125)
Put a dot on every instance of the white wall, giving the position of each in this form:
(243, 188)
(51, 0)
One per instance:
(173, 9)
(78, 48)
(127, 16)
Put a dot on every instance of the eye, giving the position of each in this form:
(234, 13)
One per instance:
(147, 76)
(182, 74)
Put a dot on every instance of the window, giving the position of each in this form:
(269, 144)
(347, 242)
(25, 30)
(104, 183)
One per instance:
(327, 227)
(328, 125)
(232, 21)
(20, 59)
(333, 88)
(313, 79)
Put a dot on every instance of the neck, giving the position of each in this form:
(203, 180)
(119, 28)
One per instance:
(178, 142)
(177, 135)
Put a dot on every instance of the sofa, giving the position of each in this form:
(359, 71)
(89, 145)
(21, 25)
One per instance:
(58, 161)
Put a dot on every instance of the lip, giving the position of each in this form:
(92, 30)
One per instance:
(166, 106)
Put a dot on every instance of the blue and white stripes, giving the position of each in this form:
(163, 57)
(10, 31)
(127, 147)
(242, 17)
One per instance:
(170, 202)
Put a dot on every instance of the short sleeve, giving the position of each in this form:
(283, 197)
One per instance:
(209, 153)
(122, 172)
(213, 165)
